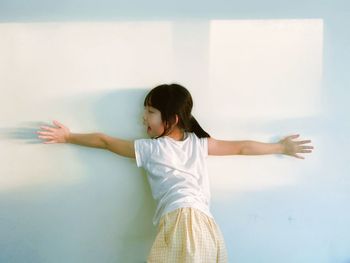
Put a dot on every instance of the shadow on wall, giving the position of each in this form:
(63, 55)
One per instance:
(74, 202)
(117, 110)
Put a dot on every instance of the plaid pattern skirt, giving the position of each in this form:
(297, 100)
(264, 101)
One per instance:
(187, 235)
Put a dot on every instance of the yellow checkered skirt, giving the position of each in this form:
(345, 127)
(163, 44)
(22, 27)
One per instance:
(188, 235)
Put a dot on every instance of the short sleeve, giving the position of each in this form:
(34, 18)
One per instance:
(143, 149)
(204, 145)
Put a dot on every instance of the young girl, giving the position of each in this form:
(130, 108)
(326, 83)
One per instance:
(175, 160)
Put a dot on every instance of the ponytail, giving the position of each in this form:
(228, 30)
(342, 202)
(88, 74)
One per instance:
(197, 129)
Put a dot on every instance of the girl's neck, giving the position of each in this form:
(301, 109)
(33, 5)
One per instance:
(177, 134)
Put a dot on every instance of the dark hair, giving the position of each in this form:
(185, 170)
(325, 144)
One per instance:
(171, 99)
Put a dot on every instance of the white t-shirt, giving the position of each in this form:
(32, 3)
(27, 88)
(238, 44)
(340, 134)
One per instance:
(176, 171)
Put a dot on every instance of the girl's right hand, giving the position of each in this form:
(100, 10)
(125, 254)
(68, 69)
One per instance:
(59, 134)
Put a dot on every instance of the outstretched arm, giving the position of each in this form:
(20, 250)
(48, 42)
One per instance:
(122, 147)
(61, 134)
(249, 147)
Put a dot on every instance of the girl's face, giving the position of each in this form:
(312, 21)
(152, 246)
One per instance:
(153, 121)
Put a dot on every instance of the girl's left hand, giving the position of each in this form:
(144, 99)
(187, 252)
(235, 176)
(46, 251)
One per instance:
(292, 147)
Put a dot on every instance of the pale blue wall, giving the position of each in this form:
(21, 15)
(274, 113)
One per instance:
(98, 218)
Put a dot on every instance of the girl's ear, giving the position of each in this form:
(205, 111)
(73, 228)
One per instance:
(174, 124)
(176, 119)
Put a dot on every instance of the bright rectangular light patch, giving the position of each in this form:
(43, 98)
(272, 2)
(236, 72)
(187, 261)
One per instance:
(265, 68)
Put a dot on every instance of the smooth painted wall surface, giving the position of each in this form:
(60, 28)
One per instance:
(255, 72)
